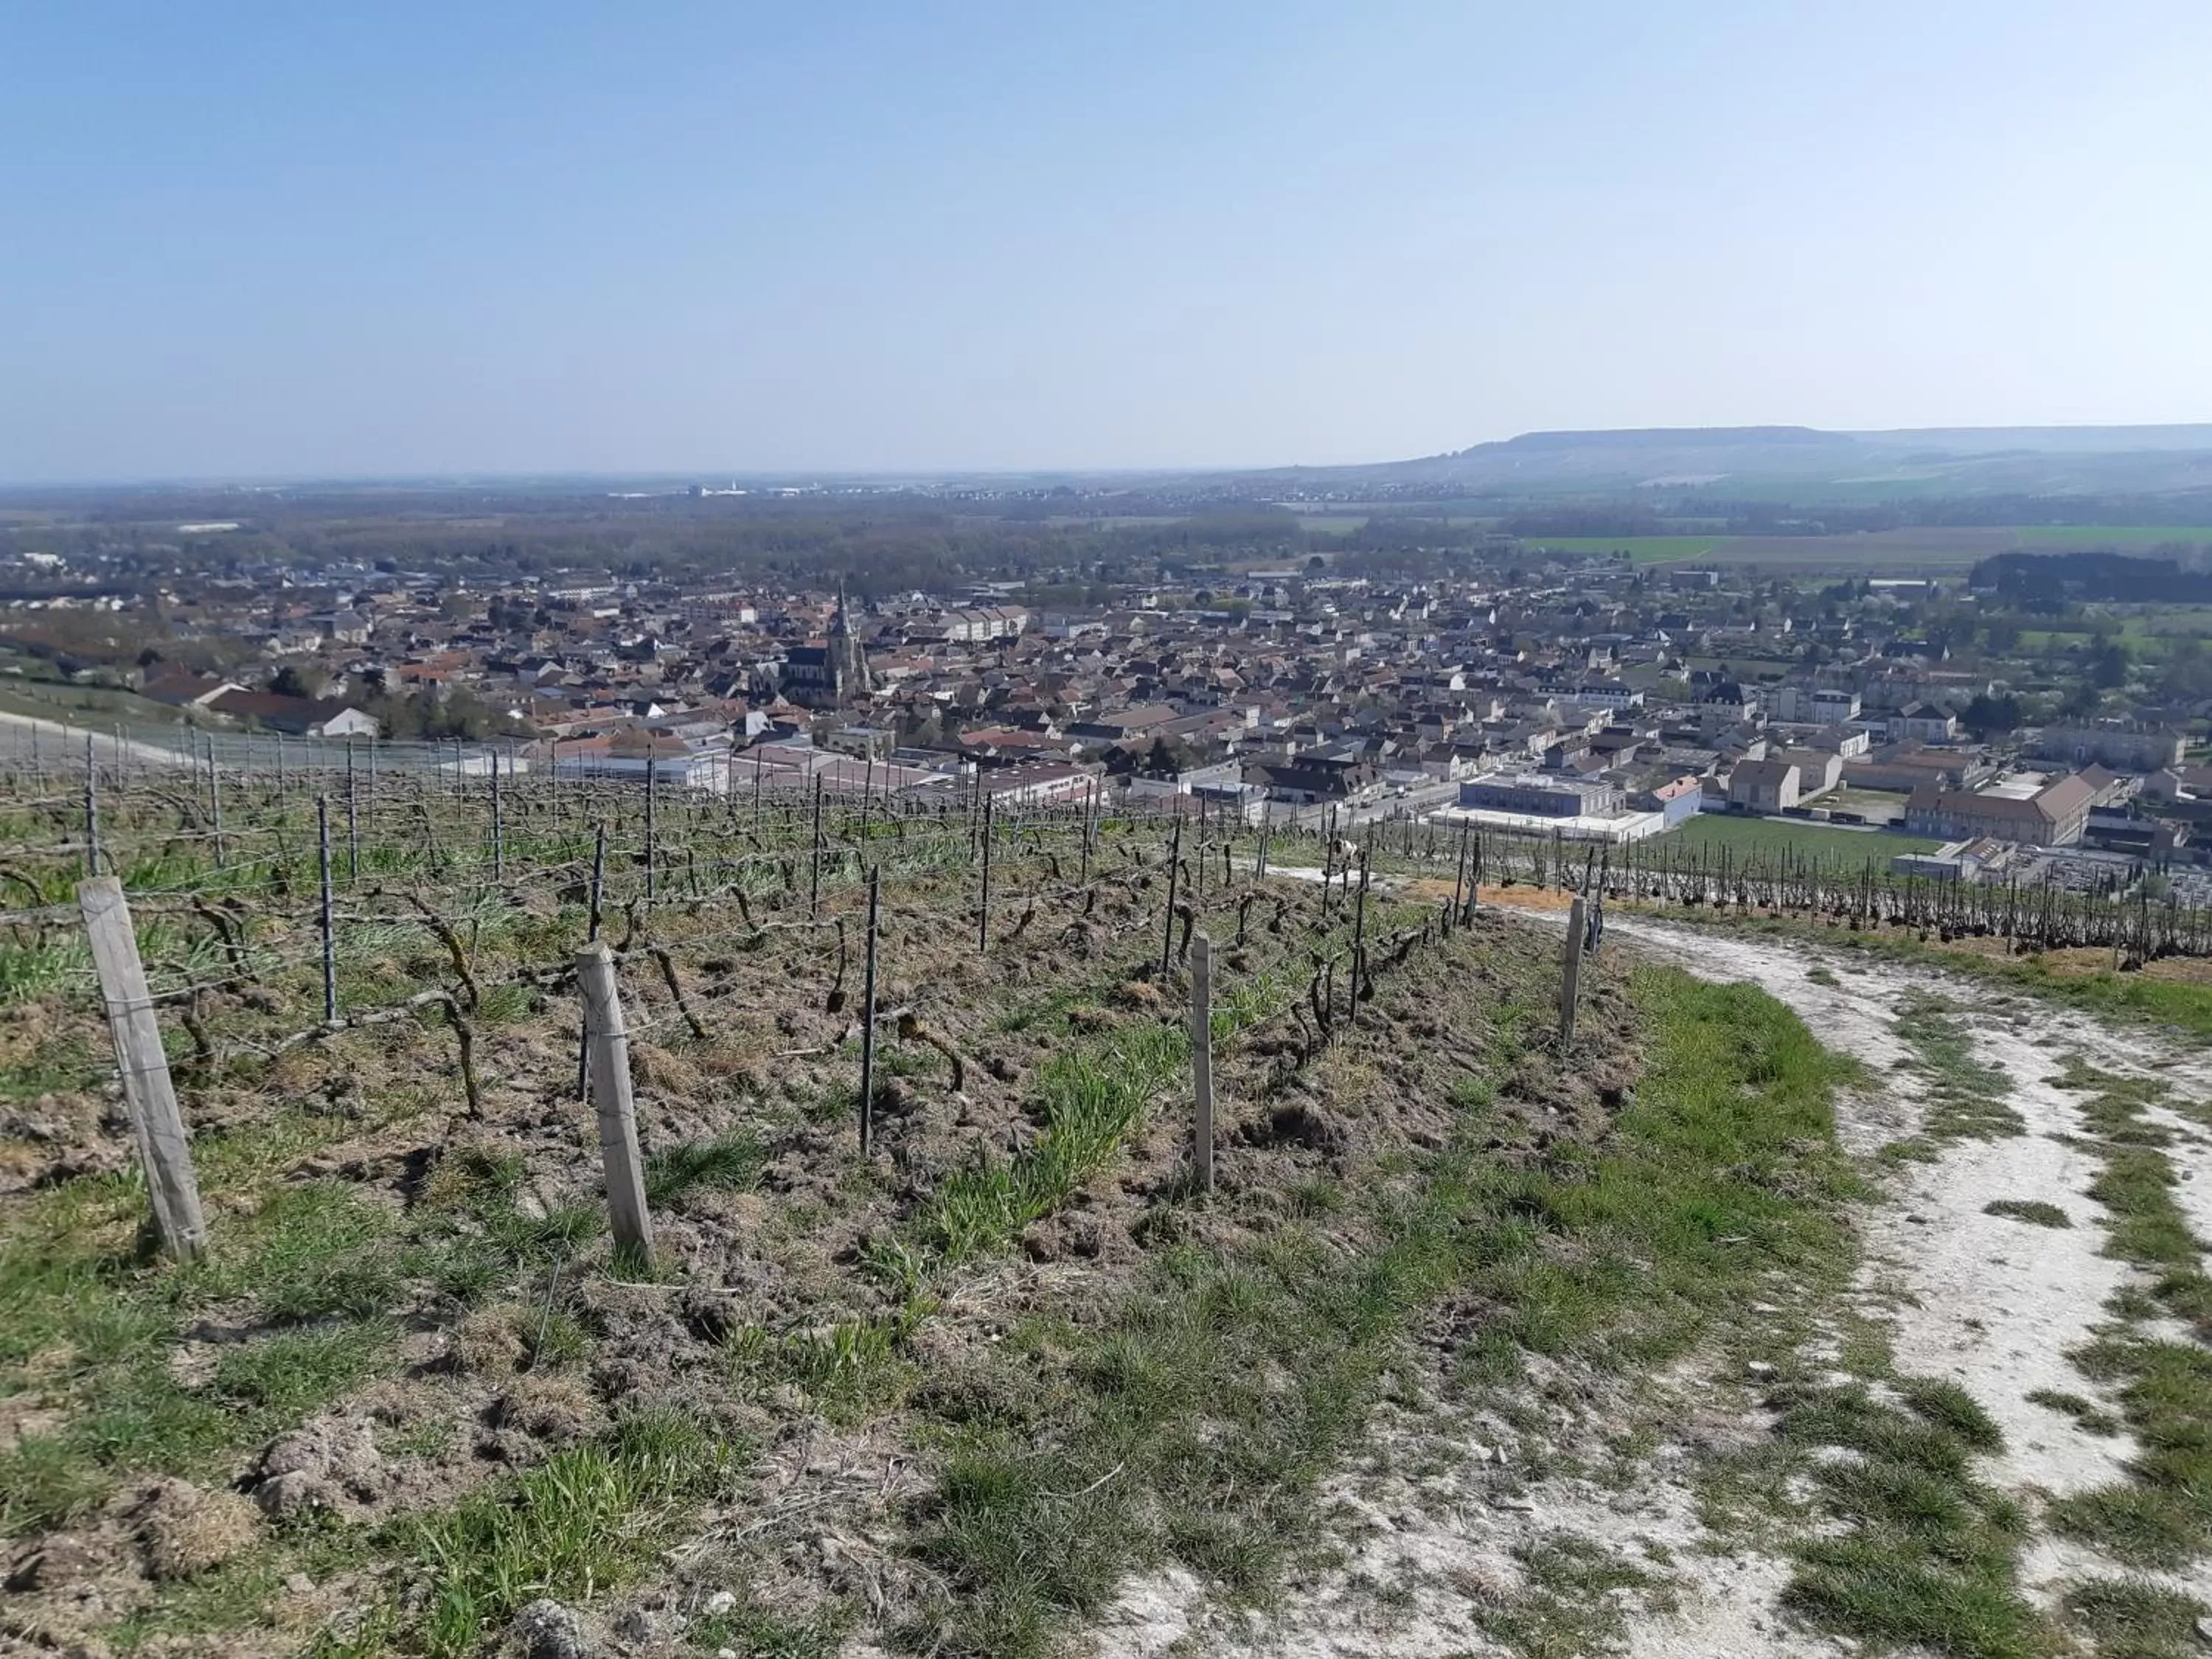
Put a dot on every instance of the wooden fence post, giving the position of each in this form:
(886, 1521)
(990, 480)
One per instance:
(353, 822)
(328, 928)
(868, 1019)
(1571, 972)
(609, 1039)
(1089, 825)
(155, 1120)
(983, 907)
(651, 826)
(1359, 938)
(1460, 906)
(814, 877)
(1201, 1057)
(599, 875)
(1174, 863)
(91, 811)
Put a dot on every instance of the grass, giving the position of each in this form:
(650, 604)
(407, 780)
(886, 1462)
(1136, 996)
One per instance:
(2087, 1416)
(1845, 848)
(577, 1525)
(1193, 1423)
(2091, 537)
(1917, 1551)
(2034, 1211)
(849, 1370)
(1571, 1604)
(2171, 1006)
(1643, 549)
(89, 1315)
(1966, 1099)
(2136, 1617)
(730, 1161)
(758, 1632)
(2161, 1516)
(303, 1280)
(1091, 1095)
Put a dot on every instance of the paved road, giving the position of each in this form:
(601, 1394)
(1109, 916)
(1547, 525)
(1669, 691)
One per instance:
(59, 744)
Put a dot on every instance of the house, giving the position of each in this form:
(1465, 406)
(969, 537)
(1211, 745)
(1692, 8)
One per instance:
(1818, 770)
(303, 717)
(1541, 795)
(1311, 780)
(2130, 747)
(2039, 814)
(1764, 786)
(181, 689)
(1923, 722)
(1961, 860)
(1905, 767)
(1819, 705)
(663, 757)
(1676, 801)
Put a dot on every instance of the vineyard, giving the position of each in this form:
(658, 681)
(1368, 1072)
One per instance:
(334, 1369)
(699, 1209)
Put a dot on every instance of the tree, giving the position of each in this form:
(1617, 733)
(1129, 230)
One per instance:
(2083, 701)
(1988, 717)
(2108, 667)
(292, 681)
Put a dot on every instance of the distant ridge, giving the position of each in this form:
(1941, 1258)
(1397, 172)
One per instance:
(2053, 460)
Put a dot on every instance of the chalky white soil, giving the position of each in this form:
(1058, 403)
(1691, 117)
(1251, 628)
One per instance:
(1426, 1526)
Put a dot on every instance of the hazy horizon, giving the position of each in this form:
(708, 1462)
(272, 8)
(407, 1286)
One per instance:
(570, 241)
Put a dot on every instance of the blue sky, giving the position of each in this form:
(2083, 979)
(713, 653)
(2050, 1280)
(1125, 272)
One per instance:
(270, 240)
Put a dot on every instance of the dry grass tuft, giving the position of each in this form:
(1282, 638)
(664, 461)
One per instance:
(184, 1530)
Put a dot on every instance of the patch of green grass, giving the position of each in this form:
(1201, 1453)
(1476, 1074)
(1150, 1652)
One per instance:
(1192, 1422)
(1571, 1605)
(2136, 1617)
(1927, 1555)
(2161, 1516)
(1746, 840)
(303, 1280)
(2034, 1211)
(1965, 1097)
(1090, 1096)
(1820, 975)
(2085, 1413)
(732, 1160)
(850, 1369)
(1943, 1403)
(577, 1525)
(2170, 1005)
(753, 1632)
(90, 1317)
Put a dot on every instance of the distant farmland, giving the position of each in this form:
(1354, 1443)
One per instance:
(1645, 550)
(2123, 537)
(1927, 550)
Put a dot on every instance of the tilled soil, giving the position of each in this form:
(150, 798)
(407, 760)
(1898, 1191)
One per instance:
(782, 1253)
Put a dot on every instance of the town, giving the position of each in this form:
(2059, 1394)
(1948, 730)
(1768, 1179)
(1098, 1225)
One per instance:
(1951, 726)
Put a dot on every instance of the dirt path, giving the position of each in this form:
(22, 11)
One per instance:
(1429, 1542)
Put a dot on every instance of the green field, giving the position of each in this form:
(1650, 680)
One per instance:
(1645, 550)
(1745, 835)
(81, 705)
(2088, 538)
(1923, 550)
